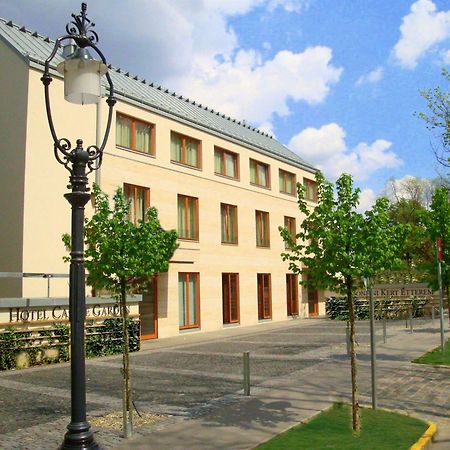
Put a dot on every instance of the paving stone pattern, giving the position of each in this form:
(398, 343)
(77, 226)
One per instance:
(191, 377)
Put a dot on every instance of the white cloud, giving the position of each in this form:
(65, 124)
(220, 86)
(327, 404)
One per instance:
(445, 55)
(422, 29)
(189, 46)
(372, 77)
(367, 199)
(326, 148)
(247, 87)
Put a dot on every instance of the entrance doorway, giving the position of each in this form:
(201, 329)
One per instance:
(313, 302)
(148, 311)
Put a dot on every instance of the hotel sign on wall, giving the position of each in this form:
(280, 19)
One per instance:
(21, 315)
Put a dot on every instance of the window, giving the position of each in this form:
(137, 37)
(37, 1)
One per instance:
(185, 150)
(311, 189)
(139, 198)
(287, 182)
(229, 223)
(230, 297)
(187, 217)
(264, 296)
(262, 229)
(135, 134)
(226, 163)
(259, 173)
(289, 223)
(292, 294)
(189, 300)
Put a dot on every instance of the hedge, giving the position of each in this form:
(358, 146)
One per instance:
(20, 349)
(336, 308)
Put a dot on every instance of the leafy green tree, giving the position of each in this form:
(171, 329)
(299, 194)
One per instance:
(122, 257)
(437, 225)
(337, 246)
(417, 249)
(437, 119)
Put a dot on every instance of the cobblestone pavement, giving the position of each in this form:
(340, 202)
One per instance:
(190, 376)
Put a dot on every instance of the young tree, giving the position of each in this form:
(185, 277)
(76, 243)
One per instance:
(122, 257)
(337, 246)
(437, 225)
(437, 119)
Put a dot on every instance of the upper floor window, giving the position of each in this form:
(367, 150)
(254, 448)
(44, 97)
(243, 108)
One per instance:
(311, 189)
(135, 134)
(187, 217)
(229, 223)
(226, 163)
(185, 150)
(139, 198)
(259, 173)
(289, 223)
(287, 182)
(262, 229)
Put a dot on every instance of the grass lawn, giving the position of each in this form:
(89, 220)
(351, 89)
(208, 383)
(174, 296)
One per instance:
(436, 356)
(331, 429)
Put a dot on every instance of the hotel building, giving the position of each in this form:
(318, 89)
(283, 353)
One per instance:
(224, 186)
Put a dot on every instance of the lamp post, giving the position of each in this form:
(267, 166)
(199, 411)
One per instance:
(82, 85)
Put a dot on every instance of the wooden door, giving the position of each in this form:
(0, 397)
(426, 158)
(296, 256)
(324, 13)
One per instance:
(313, 302)
(148, 311)
(292, 294)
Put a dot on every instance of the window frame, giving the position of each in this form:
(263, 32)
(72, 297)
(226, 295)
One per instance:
(284, 174)
(267, 170)
(134, 121)
(292, 300)
(308, 182)
(260, 230)
(291, 224)
(223, 152)
(183, 161)
(186, 299)
(227, 302)
(186, 221)
(225, 207)
(128, 189)
(264, 279)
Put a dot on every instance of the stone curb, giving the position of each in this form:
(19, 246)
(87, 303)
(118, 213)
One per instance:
(425, 441)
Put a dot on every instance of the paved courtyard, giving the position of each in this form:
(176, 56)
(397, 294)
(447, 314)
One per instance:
(193, 378)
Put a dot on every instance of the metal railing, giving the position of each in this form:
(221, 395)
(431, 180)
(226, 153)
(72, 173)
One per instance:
(44, 275)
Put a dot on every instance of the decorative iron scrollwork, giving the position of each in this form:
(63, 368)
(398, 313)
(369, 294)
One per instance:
(81, 28)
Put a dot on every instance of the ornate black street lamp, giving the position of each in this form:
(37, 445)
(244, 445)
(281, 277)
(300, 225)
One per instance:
(82, 85)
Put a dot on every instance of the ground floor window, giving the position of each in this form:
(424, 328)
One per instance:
(189, 300)
(230, 297)
(264, 296)
(292, 294)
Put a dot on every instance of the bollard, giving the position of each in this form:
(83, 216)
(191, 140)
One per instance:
(246, 360)
(432, 314)
(384, 331)
(347, 337)
(410, 319)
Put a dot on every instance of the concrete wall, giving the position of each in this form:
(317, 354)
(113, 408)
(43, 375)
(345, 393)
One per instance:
(13, 119)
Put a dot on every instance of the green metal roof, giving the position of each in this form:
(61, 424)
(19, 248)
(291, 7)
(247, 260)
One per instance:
(35, 49)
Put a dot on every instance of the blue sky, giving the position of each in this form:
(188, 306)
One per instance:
(336, 81)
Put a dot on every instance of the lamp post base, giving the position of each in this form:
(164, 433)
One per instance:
(79, 437)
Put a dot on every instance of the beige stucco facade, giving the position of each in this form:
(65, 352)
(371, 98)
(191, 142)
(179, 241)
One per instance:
(35, 213)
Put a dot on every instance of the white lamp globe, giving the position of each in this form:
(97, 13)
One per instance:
(82, 77)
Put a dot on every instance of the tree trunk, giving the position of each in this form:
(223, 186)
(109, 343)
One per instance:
(126, 399)
(356, 418)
